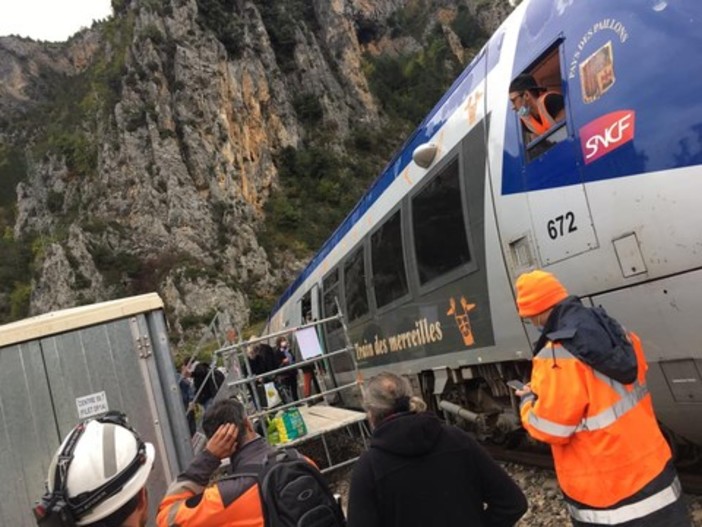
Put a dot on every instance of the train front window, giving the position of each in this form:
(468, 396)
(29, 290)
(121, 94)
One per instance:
(389, 279)
(440, 240)
(355, 286)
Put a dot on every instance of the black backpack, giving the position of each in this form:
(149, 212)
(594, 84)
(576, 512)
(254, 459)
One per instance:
(293, 492)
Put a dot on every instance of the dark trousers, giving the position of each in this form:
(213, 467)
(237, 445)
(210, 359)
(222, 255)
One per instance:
(288, 388)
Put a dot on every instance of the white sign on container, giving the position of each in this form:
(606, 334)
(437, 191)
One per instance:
(92, 405)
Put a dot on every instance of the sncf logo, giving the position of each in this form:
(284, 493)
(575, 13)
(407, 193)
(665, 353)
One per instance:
(606, 133)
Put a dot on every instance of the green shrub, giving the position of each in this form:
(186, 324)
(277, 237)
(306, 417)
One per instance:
(54, 201)
(408, 86)
(19, 300)
(153, 33)
(13, 169)
(259, 307)
(220, 17)
(308, 108)
(282, 21)
(135, 119)
(410, 20)
(468, 29)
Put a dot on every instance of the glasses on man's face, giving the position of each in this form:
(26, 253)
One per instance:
(513, 100)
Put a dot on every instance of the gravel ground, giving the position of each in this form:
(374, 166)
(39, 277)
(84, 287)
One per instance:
(545, 503)
(546, 507)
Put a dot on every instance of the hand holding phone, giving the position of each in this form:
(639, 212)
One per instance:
(516, 385)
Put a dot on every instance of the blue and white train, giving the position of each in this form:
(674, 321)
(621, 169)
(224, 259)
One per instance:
(609, 200)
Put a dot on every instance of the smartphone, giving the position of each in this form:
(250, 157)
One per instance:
(516, 385)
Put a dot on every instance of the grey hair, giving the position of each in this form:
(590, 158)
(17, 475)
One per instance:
(388, 394)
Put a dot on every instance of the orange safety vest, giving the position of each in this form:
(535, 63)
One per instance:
(604, 436)
(245, 511)
(545, 121)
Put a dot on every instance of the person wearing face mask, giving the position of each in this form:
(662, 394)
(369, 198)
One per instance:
(538, 108)
(588, 399)
(422, 472)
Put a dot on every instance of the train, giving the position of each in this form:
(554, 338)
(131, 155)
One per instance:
(423, 267)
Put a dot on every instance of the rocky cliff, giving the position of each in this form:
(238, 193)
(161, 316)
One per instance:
(178, 146)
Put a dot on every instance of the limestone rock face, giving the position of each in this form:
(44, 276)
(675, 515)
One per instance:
(182, 137)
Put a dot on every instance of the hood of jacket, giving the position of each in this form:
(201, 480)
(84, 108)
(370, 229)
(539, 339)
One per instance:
(593, 337)
(407, 434)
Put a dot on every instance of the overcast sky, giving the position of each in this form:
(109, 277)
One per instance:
(52, 20)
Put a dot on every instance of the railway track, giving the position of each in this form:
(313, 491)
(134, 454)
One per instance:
(691, 478)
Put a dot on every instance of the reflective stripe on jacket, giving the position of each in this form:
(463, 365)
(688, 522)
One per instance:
(545, 122)
(604, 437)
(192, 509)
(631, 511)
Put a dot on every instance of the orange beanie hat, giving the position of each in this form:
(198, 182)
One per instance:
(538, 291)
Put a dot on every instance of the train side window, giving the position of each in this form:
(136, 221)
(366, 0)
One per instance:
(440, 240)
(330, 285)
(355, 285)
(539, 90)
(387, 260)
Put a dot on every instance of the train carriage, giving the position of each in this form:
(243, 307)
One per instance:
(607, 199)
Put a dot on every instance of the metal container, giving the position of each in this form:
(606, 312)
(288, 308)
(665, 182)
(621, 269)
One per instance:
(63, 367)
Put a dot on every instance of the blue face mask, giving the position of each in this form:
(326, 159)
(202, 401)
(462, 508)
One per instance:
(523, 111)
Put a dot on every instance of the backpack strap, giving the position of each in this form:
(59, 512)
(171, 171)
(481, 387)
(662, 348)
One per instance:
(285, 453)
(244, 471)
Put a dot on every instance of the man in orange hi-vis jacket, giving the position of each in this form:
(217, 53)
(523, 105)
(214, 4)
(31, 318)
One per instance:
(539, 109)
(588, 399)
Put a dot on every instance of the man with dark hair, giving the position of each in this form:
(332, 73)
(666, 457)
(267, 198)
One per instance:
(191, 500)
(422, 472)
(234, 500)
(98, 476)
(538, 108)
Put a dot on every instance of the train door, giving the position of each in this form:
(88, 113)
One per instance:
(543, 167)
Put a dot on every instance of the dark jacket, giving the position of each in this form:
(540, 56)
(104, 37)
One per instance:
(212, 382)
(421, 472)
(593, 337)
(265, 360)
(280, 356)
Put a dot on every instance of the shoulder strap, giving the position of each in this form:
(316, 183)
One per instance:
(244, 471)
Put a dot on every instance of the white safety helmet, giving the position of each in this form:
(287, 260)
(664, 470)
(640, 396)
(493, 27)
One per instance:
(106, 453)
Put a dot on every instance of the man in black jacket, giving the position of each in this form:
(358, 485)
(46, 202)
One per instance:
(422, 472)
